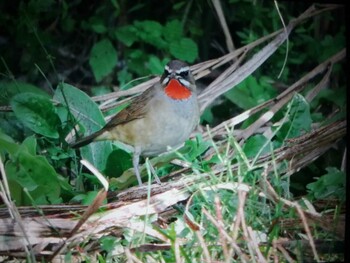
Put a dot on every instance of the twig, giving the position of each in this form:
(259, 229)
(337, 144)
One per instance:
(218, 211)
(226, 235)
(308, 232)
(220, 13)
(255, 245)
(203, 246)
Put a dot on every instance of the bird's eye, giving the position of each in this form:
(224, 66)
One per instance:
(184, 74)
(166, 72)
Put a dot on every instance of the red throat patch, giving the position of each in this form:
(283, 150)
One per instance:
(176, 90)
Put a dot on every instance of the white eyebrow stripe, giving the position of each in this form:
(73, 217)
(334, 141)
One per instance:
(167, 68)
(184, 69)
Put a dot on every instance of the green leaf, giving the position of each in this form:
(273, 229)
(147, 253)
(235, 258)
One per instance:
(195, 147)
(155, 65)
(331, 45)
(9, 124)
(254, 144)
(247, 94)
(89, 197)
(90, 117)
(34, 173)
(7, 144)
(148, 29)
(332, 184)
(207, 115)
(299, 119)
(185, 49)
(108, 243)
(172, 31)
(150, 32)
(10, 89)
(97, 25)
(29, 172)
(335, 96)
(124, 78)
(118, 162)
(103, 58)
(30, 144)
(126, 35)
(37, 113)
(81, 106)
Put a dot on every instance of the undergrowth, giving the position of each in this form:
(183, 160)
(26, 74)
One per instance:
(276, 195)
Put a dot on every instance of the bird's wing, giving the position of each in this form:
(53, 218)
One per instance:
(135, 110)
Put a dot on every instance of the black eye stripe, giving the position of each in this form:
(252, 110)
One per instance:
(183, 73)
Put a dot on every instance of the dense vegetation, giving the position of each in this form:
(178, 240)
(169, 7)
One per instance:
(67, 65)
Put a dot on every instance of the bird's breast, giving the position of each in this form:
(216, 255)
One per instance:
(167, 123)
(172, 123)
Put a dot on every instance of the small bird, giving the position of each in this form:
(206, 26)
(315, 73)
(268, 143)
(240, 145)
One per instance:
(162, 116)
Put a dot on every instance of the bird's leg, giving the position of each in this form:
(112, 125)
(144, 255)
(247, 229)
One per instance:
(135, 162)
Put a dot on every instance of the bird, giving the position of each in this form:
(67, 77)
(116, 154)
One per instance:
(163, 116)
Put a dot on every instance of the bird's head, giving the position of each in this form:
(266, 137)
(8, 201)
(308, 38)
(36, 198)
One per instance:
(177, 80)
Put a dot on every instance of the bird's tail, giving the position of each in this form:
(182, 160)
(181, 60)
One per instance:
(86, 140)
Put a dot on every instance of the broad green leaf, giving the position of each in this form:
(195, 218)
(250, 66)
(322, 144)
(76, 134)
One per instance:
(126, 35)
(97, 25)
(37, 113)
(118, 162)
(29, 144)
(148, 29)
(331, 45)
(34, 173)
(254, 144)
(9, 124)
(108, 243)
(332, 184)
(195, 148)
(89, 197)
(97, 153)
(172, 31)
(207, 115)
(81, 106)
(7, 144)
(185, 49)
(299, 119)
(25, 169)
(87, 113)
(263, 90)
(151, 33)
(124, 78)
(103, 58)
(242, 94)
(335, 96)
(10, 89)
(155, 65)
